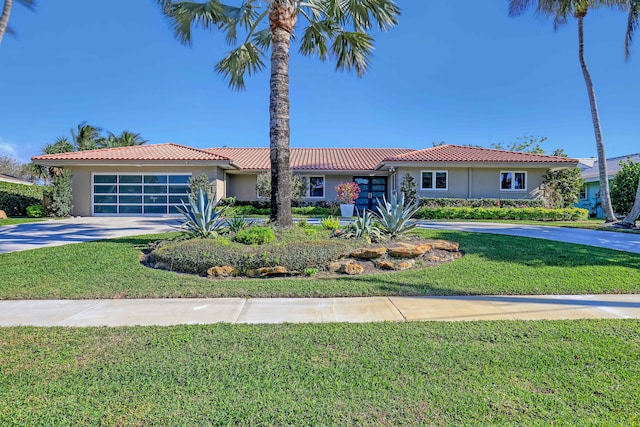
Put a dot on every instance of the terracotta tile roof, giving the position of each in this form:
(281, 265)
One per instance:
(312, 158)
(167, 151)
(459, 153)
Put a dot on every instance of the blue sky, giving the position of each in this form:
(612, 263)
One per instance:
(460, 72)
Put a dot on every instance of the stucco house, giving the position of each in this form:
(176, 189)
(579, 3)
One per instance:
(590, 192)
(153, 179)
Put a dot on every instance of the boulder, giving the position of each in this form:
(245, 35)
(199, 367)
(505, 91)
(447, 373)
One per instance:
(404, 265)
(385, 265)
(405, 250)
(267, 271)
(352, 269)
(368, 253)
(224, 271)
(446, 245)
(335, 266)
(3, 215)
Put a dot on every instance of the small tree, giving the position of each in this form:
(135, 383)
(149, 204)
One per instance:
(60, 194)
(624, 186)
(201, 182)
(299, 186)
(408, 188)
(347, 192)
(562, 187)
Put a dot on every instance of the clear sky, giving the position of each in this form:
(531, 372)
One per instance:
(461, 72)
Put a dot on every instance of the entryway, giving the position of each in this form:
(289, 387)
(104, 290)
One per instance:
(372, 188)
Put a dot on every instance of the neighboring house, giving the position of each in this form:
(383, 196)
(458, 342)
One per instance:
(590, 192)
(14, 180)
(153, 179)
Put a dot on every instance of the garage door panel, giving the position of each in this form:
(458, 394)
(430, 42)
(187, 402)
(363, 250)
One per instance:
(139, 194)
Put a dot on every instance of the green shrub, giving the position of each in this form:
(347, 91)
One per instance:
(624, 186)
(480, 203)
(15, 198)
(36, 211)
(310, 210)
(530, 214)
(198, 255)
(60, 194)
(237, 223)
(258, 235)
(311, 271)
(246, 211)
(330, 223)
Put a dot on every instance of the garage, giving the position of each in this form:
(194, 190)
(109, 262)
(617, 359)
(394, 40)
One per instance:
(138, 194)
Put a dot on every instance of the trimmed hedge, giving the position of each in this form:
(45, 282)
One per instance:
(248, 210)
(530, 214)
(15, 198)
(480, 203)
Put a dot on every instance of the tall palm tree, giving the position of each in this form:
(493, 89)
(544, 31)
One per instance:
(6, 12)
(86, 136)
(331, 28)
(560, 11)
(125, 139)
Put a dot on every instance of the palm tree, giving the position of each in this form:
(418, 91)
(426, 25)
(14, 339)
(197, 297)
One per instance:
(86, 137)
(332, 28)
(6, 12)
(560, 11)
(125, 139)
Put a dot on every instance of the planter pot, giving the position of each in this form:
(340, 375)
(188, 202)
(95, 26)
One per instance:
(346, 210)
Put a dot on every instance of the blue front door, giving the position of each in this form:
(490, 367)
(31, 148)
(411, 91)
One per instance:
(372, 188)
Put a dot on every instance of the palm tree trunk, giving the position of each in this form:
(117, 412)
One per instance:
(282, 19)
(4, 19)
(630, 220)
(595, 117)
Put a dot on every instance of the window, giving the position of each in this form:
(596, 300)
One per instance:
(434, 180)
(513, 181)
(316, 186)
(583, 192)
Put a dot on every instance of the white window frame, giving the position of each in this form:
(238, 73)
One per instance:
(513, 181)
(434, 172)
(324, 186)
(586, 192)
(142, 174)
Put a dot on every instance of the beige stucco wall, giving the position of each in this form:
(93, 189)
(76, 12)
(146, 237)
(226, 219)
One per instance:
(81, 180)
(243, 186)
(477, 183)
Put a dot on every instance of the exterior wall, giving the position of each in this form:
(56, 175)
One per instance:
(243, 186)
(591, 202)
(476, 183)
(82, 182)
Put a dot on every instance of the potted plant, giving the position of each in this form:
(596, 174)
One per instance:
(347, 193)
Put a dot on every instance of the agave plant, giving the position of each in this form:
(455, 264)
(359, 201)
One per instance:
(395, 217)
(238, 223)
(364, 225)
(203, 216)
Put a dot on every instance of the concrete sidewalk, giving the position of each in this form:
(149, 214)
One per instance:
(164, 312)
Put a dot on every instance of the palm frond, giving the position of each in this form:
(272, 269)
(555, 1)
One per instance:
(353, 51)
(244, 16)
(262, 39)
(632, 26)
(245, 59)
(182, 15)
(315, 37)
(29, 4)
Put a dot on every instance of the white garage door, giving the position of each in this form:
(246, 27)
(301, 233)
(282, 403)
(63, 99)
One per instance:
(139, 194)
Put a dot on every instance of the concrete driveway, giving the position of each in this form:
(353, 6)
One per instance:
(33, 235)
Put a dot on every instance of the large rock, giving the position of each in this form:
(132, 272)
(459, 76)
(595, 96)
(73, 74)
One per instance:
(224, 271)
(446, 245)
(267, 271)
(369, 253)
(3, 215)
(405, 250)
(385, 264)
(352, 269)
(404, 265)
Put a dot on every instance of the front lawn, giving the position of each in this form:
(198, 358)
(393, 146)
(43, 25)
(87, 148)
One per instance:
(20, 220)
(481, 373)
(493, 264)
(590, 224)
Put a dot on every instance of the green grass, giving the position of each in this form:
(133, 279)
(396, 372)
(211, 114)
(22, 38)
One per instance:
(20, 220)
(481, 373)
(590, 224)
(493, 264)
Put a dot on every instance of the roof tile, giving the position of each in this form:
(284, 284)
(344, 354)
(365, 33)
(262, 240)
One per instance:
(459, 153)
(167, 151)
